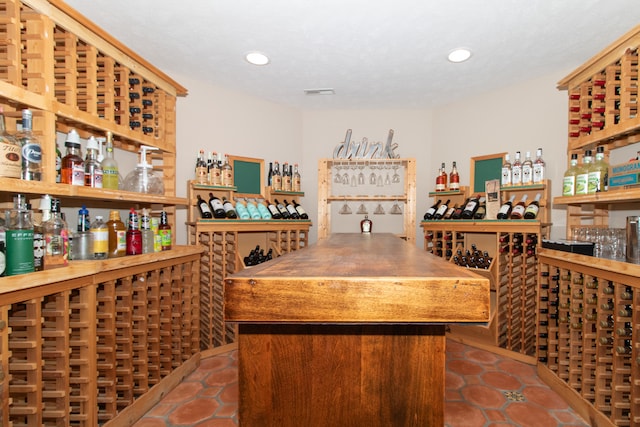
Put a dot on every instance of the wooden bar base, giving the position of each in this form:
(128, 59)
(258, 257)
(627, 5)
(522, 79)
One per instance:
(341, 375)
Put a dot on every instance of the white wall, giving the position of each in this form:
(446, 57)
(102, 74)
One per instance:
(520, 117)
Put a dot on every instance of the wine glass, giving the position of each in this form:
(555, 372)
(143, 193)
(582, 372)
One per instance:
(338, 178)
(345, 209)
(362, 209)
(379, 210)
(396, 177)
(395, 209)
(372, 178)
(361, 174)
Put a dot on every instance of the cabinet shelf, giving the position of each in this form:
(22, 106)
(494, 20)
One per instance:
(485, 225)
(400, 198)
(623, 195)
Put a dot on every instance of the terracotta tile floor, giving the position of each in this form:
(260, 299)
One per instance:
(482, 389)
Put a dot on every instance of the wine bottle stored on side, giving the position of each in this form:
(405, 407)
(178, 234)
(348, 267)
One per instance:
(482, 209)
(273, 210)
(292, 210)
(428, 215)
(216, 207)
(531, 212)
(283, 210)
(303, 214)
(471, 207)
(203, 207)
(505, 209)
(457, 213)
(442, 210)
(229, 210)
(518, 210)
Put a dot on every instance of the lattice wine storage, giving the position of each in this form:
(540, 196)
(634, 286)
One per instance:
(589, 327)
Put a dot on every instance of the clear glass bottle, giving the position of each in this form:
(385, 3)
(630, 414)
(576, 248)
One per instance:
(527, 169)
(598, 173)
(39, 243)
(506, 171)
(100, 234)
(569, 180)
(582, 174)
(19, 238)
(227, 172)
(263, 210)
(72, 163)
(241, 210)
(31, 149)
(454, 178)
(297, 180)
(11, 159)
(216, 173)
(286, 178)
(92, 169)
(366, 226)
(147, 232)
(201, 169)
(276, 179)
(56, 235)
(538, 168)
(516, 170)
(110, 172)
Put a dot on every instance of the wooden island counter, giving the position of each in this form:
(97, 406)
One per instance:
(348, 332)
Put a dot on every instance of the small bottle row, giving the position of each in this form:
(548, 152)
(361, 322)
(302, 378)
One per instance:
(527, 172)
(215, 170)
(518, 243)
(286, 179)
(257, 256)
(589, 177)
(475, 208)
(248, 209)
(442, 243)
(473, 258)
(28, 244)
(449, 182)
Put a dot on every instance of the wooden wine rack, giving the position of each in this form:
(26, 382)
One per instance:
(588, 333)
(89, 342)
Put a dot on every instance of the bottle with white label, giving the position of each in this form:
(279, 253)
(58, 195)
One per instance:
(516, 170)
(538, 168)
(506, 171)
(527, 170)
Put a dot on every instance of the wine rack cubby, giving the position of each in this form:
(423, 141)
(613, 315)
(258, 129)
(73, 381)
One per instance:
(588, 333)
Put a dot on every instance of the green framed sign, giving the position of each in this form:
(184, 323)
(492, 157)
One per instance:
(248, 176)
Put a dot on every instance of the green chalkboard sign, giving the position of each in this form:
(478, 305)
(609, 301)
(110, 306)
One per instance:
(248, 175)
(485, 168)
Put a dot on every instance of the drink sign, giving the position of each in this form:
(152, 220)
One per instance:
(363, 150)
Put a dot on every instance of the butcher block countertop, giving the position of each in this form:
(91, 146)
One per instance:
(357, 279)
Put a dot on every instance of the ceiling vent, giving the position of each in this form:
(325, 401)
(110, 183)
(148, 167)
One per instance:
(328, 91)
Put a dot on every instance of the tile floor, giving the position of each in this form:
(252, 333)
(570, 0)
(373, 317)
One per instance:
(482, 389)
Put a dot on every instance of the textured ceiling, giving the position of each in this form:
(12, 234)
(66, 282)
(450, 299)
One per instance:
(374, 53)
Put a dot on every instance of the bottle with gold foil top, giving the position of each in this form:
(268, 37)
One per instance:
(366, 225)
(10, 152)
(117, 235)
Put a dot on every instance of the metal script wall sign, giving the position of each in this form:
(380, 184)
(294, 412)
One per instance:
(364, 149)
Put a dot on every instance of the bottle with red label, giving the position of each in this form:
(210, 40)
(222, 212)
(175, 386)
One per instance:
(441, 179)
(454, 178)
(133, 235)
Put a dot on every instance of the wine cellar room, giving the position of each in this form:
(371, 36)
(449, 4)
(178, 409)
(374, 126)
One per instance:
(224, 166)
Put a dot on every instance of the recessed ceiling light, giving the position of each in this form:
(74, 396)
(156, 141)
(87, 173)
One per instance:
(459, 55)
(323, 91)
(257, 58)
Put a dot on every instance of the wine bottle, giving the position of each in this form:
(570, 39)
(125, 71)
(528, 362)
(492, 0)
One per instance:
(442, 209)
(303, 214)
(482, 209)
(538, 168)
(569, 180)
(201, 169)
(229, 210)
(598, 173)
(292, 210)
(273, 210)
(253, 209)
(283, 210)
(518, 210)
(454, 178)
(516, 170)
(531, 212)
(450, 211)
(505, 209)
(506, 172)
(527, 169)
(263, 210)
(216, 207)
(270, 175)
(226, 172)
(297, 181)
(276, 179)
(441, 179)
(241, 210)
(471, 207)
(457, 213)
(428, 215)
(203, 207)
(286, 178)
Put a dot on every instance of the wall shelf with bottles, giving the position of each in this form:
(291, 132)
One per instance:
(588, 304)
(372, 181)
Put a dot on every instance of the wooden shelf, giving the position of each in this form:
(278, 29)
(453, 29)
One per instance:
(624, 195)
(381, 198)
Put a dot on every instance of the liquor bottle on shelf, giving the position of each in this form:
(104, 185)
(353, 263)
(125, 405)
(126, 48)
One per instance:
(283, 210)
(11, 160)
(454, 178)
(164, 230)
(482, 209)
(442, 210)
(227, 172)
(147, 232)
(276, 179)
(292, 210)
(582, 174)
(117, 235)
(203, 207)
(518, 210)
(56, 236)
(229, 210)
(201, 169)
(215, 174)
(273, 210)
(471, 207)
(506, 172)
(303, 214)
(441, 179)
(505, 210)
(270, 175)
(366, 226)
(297, 180)
(92, 170)
(569, 180)
(538, 168)
(133, 235)
(72, 163)
(39, 243)
(100, 233)
(516, 170)
(527, 169)
(598, 173)
(58, 164)
(531, 212)
(31, 149)
(19, 238)
(286, 178)
(216, 207)
(110, 172)
(428, 215)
